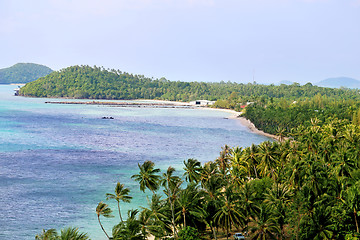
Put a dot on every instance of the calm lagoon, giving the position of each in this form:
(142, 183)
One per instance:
(58, 161)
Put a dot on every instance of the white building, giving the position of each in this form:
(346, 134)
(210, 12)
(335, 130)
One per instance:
(202, 103)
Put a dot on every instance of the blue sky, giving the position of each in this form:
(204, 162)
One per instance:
(188, 40)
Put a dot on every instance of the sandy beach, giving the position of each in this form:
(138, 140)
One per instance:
(247, 123)
(162, 103)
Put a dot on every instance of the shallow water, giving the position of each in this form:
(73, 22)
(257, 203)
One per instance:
(58, 161)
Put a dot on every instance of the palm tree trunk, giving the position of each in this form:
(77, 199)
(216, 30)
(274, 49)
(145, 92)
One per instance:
(103, 228)
(213, 230)
(356, 222)
(256, 175)
(227, 232)
(172, 213)
(184, 219)
(119, 211)
(215, 235)
(173, 220)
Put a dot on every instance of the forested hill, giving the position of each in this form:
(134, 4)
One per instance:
(99, 83)
(23, 73)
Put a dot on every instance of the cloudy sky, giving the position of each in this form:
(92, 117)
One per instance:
(188, 40)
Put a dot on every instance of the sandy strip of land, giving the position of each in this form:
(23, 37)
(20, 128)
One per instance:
(247, 123)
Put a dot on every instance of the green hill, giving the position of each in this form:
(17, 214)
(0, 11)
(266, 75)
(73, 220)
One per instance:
(23, 73)
(99, 83)
(339, 82)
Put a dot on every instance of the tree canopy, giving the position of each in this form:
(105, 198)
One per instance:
(23, 73)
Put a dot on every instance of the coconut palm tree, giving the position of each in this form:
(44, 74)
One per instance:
(172, 185)
(269, 158)
(155, 219)
(263, 226)
(130, 229)
(239, 167)
(247, 202)
(250, 156)
(121, 194)
(189, 205)
(72, 234)
(209, 170)
(280, 132)
(192, 170)
(228, 214)
(50, 234)
(147, 176)
(104, 210)
(279, 198)
(223, 160)
(353, 202)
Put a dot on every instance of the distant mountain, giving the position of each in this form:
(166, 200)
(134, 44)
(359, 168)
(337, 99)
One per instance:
(339, 82)
(286, 82)
(23, 73)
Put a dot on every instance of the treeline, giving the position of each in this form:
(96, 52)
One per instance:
(274, 109)
(303, 189)
(281, 115)
(23, 73)
(99, 83)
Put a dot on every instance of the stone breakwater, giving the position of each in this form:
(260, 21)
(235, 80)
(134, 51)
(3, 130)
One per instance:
(128, 104)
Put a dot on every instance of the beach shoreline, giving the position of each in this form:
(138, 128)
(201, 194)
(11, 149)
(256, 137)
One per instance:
(164, 103)
(245, 122)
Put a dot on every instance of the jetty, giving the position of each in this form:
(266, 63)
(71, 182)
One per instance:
(128, 104)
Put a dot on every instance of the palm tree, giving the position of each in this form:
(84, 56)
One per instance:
(209, 170)
(353, 202)
(223, 160)
(263, 226)
(155, 219)
(121, 194)
(72, 234)
(279, 198)
(172, 185)
(250, 156)
(229, 214)
(247, 202)
(280, 132)
(239, 167)
(189, 204)
(319, 224)
(104, 210)
(130, 229)
(50, 234)
(147, 177)
(192, 170)
(268, 157)
(211, 189)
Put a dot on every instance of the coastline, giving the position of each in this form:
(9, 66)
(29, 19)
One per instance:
(245, 122)
(170, 104)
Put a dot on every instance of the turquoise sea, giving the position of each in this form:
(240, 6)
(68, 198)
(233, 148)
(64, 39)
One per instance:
(58, 161)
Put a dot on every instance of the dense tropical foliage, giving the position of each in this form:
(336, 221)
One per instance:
(271, 108)
(23, 73)
(99, 83)
(306, 187)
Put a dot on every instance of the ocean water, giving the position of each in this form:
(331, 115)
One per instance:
(58, 161)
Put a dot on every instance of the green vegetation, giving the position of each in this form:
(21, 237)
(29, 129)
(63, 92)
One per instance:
(23, 73)
(99, 83)
(284, 114)
(65, 234)
(271, 108)
(303, 188)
